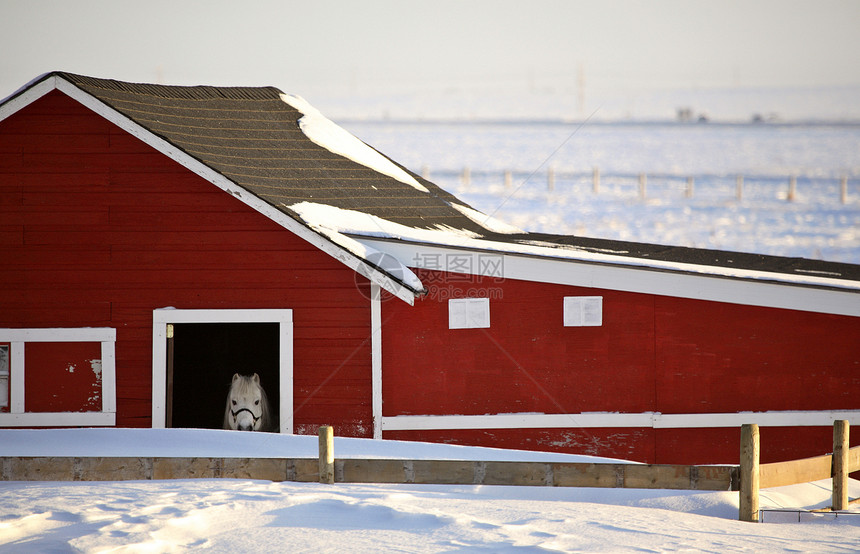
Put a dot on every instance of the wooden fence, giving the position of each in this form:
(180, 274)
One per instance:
(754, 475)
(747, 478)
(349, 470)
(687, 183)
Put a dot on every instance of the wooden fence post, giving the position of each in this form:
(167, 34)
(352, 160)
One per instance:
(466, 177)
(643, 183)
(689, 192)
(840, 464)
(749, 473)
(739, 187)
(327, 454)
(843, 190)
(509, 179)
(550, 179)
(792, 188)
(595, 180)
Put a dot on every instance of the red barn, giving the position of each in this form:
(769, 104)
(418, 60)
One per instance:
(157, 239)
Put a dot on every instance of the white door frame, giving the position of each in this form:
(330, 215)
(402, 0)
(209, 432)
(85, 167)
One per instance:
(163, 317)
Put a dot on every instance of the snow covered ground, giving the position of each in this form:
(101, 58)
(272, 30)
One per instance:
(260, 516)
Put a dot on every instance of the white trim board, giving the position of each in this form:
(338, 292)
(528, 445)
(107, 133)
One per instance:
(58, 419)
(163, 317)
(376, 358)
(19, 417)
(752, 292)
(37, 89)
(654, 420)
(338, 252)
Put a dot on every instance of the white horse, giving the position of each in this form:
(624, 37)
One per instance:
(247, 406)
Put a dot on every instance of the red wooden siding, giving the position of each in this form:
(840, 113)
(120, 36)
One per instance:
(652, 354)
(63, 377)
(98, 229)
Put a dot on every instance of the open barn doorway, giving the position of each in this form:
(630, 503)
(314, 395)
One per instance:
(201, 364)
(196, 353)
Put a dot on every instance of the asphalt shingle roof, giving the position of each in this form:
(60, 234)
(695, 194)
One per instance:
(251, 136)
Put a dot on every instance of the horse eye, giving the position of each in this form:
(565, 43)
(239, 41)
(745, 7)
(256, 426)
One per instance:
(257, 403)
(234, 402)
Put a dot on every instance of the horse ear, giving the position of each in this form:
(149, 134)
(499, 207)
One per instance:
(235, 377)
(256, 378)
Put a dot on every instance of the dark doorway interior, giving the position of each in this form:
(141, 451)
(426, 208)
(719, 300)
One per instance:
(205, 357)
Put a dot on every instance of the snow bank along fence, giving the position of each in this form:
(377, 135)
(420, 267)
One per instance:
(327, 469)
(786, 183)
(747, 478)
(754, 476)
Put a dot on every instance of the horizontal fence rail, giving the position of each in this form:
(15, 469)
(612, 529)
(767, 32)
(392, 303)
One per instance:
(781, 474)
(443, 472)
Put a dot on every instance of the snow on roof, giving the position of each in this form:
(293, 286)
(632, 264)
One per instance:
(332, 223)
(334, 138)
(491, 223)
(335, 221)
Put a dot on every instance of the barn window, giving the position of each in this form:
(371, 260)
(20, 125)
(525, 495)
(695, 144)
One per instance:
(57, 377)
(469, 313)
(196, 353)
(583, 311)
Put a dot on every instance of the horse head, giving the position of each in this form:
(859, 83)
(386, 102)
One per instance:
(247, 406)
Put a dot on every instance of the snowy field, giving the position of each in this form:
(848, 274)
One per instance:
(817, 224)
(260, 516)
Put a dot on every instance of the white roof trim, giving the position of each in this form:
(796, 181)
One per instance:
(561, 253)
(585, 273)
(351, 259)
(27, 95)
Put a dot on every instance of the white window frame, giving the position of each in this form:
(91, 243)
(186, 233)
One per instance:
(163, 317)
(19, 417)
(469, 313)
(583, 311)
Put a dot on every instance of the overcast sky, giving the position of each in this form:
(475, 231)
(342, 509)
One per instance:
(396, 46)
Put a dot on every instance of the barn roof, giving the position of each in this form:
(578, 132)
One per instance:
(253, 137)
(303, 170)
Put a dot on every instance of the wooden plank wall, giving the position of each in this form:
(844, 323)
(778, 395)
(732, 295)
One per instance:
(652, 354)
(97, 229)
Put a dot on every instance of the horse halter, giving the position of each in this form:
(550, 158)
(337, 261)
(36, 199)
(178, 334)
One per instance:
(239, 411)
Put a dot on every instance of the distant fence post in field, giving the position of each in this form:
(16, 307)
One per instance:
(708, 182)
(748, 504)
(326, 463)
